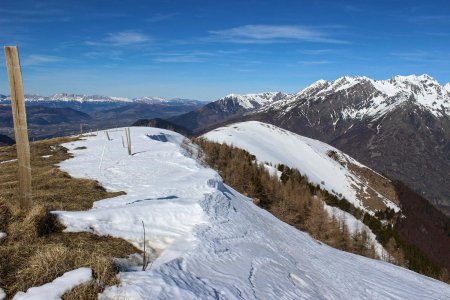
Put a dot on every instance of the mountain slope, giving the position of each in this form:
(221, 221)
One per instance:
(226, 108)
(213, 242)
(324, 165)
(420, 223)
(399, 127)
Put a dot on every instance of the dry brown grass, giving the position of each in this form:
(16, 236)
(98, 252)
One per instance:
(376, 184)
(35, 250)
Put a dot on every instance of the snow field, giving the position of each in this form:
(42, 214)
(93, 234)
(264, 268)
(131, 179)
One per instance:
(214, 243)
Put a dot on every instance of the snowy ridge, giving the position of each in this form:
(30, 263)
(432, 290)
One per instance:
(376, 97)
(278, 146)
(221, 246)
(252, 101)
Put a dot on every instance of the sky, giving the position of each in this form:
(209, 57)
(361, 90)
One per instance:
(206, 49)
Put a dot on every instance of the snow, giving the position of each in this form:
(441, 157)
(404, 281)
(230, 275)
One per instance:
(8, 161)
(2, 294)
(277, 146)
(55, 289)
(387, 95)
(447, 87)
(251, 101)
(2, 235)
(214, 242)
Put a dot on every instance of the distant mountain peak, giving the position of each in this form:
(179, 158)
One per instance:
(374, 98)
(252, 101)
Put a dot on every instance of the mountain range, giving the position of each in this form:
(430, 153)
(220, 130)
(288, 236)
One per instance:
(62, 114)
(94, 103)
(399, 127)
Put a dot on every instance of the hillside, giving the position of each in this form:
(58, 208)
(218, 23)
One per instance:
(209, 241)
(419, 223)
(324, 165)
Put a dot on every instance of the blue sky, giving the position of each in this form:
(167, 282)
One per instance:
(206, 49)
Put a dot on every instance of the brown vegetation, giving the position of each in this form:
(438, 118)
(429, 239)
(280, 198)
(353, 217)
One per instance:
(376, 184)
(35, 250)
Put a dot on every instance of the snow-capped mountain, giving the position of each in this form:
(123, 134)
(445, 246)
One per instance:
(377, 97)
(164, 101)
(209, 241)
(65, 97)
(86, 98)
(71, 97)
(399, 127)
(250, 101)
(223, 109)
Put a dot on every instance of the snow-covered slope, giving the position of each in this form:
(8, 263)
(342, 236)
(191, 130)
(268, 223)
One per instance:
(311, 157)
(214, 243)
(376, 97)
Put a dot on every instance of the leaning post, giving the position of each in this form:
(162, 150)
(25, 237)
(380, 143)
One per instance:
(20, 125)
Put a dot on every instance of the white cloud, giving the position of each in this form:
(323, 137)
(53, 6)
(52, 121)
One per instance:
(37, 59)
(272, 34)
(126, 38)
(121, 38)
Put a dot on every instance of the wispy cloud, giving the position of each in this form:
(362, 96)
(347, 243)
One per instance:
(38, 59)
(121, 38)
(429, 19)
(314, 62)
(183, 57)
(109, 53)
(160, 17)
(126, 38)
(318, 51)
(272, 34)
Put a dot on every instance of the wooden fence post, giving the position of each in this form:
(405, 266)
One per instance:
(128, 136)
(20, 124)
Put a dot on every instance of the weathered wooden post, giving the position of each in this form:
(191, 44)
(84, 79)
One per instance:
(129, 141)
(20, 124)
(107, 135)
(128, 136)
